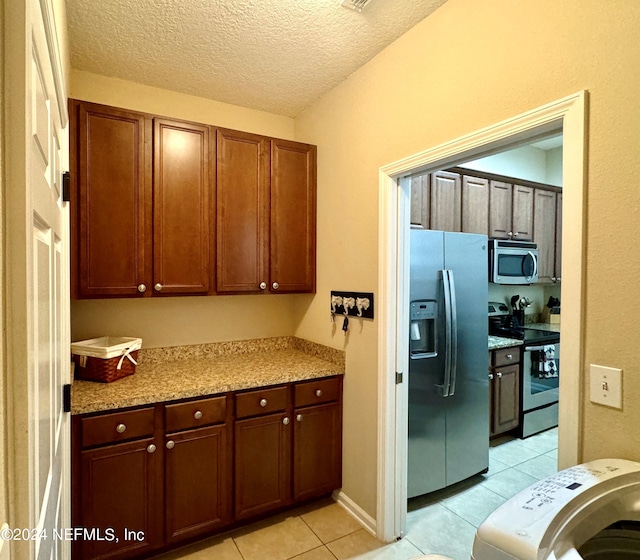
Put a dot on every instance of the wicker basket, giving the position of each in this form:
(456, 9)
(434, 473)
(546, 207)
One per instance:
(105, 359)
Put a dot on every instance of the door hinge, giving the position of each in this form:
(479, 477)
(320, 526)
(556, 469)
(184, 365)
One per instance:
(66, 398)
(398, 377)
(66, 186)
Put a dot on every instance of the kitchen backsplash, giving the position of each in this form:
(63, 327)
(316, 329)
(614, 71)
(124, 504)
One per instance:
(537, 293)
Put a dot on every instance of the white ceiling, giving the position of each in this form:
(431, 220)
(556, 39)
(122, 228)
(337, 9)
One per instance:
(273, 55)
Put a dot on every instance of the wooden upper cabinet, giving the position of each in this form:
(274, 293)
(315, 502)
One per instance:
(420, 202)
(446, 207)
(111, 200)
(544, 233)
(522, 213)
(181, 215)
(500, 215)
(242, 206)
(475, 205)
(292, 248)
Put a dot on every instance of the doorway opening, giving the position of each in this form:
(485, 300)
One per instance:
(566, 116)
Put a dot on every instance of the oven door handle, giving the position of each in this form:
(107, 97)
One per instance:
(538, 348)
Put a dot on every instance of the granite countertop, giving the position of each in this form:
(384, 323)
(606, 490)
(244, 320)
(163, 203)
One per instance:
(553, 327)
(496, 342)
(165, 374)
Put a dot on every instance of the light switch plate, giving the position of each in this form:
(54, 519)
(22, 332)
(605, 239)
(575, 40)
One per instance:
(606, 386)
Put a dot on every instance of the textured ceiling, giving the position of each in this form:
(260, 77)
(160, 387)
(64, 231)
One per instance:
(273, 55)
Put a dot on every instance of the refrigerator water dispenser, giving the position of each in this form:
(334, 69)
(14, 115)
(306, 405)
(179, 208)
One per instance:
(422, 335)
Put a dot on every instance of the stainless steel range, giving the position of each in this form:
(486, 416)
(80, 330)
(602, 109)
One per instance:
(540, 370)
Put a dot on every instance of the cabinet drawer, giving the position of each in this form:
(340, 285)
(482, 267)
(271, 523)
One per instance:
(194, 414)
(506, 356)
(316, 392)
(261, 401)
(119, 426)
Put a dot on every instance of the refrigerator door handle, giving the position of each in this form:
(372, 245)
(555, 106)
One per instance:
(454, 336)
(448, 331)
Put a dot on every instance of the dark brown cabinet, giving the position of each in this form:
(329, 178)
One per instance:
(181, 470)
(119, 472)
(446, 201)
(504, 390)
(475, 205)
(558, 260)
(150, 193)
(266, 208)
(138, 229)
(317, 439)
(420, 202)
(181, 210)
(111, 221)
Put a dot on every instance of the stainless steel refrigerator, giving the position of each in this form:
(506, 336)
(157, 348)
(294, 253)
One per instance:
(448, 380)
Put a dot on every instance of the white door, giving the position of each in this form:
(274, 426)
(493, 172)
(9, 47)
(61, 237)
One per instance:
(37, 282)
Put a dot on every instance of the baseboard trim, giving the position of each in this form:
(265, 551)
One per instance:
(353, 509)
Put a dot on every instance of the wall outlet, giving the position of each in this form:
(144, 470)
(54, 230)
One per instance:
(606, 386)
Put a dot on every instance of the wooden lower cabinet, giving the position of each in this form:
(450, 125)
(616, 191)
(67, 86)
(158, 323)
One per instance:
(262, 464)
(504, 390)
(197, 476)
(174, 472)
(120, 489)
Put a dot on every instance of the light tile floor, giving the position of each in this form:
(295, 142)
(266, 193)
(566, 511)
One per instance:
(440, 523)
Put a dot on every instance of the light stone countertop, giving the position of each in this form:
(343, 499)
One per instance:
(553, 327)
(496, 342)
(200, 370)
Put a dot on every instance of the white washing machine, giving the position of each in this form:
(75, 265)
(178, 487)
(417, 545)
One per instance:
(590, 511)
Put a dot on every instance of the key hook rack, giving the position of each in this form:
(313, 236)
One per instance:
(352, 304)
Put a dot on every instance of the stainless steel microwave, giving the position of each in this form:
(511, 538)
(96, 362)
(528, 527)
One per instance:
(513, 262)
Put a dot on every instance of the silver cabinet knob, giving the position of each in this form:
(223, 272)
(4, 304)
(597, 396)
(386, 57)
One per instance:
(318, 392)
(510, 234)
(197, 414)
(299, 418)
(158, 287)
(263, 285)
(285, 420)
(515, 234)
(499, 374)
(490, 376)
(171, 444)
(275, 285)
(509, 356)
(121, 428)
(142, 288)
(263, 402)
(151, 448)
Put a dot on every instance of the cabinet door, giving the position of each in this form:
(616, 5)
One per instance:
(293, 217)
(420, 202)
(262, 464)
(197, 480)
(121, 489)
(558, 259)
(500, 209)
(446, 201)
(242, 206)
(181, 250)
(544, 233)
(506, 393)
(522, 222)
(492, 400)
(475, 205)
(317, 451)
(111, 204)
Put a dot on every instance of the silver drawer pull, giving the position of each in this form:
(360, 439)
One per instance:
(197, 414)
(509, 356)
(151, 448)
(263, 402)
(318, 392)
(285, 420)
(171, 444)
(490, 376)
(499, 374)
(121, 428)
(299, 418)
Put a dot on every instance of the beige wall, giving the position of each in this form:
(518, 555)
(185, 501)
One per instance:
(469, 65)
(189, 320)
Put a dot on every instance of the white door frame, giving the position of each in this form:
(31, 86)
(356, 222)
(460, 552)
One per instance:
(568, 115)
